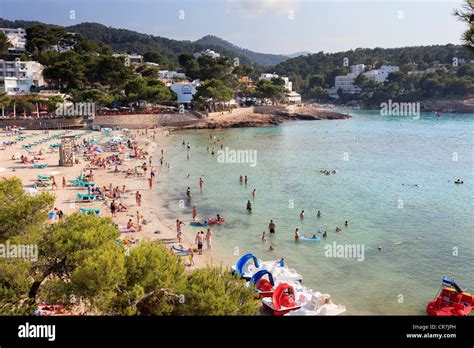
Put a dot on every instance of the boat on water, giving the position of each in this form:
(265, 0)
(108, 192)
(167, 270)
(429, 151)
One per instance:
(249, 264)
(451, 300)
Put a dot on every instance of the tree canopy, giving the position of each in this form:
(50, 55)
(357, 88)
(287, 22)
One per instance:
(82, 264)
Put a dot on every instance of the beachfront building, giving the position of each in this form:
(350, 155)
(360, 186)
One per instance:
(184, 91)
(207, 53)
(269, 77)
(20, 77)
(293, 97)
(17, 39)
(247, 82)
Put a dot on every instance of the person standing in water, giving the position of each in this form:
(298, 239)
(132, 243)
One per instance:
(188, 192)
(264, 236)
(201, 183)
(325, 235)
(246, 179)
(254, 193)
(195, 213)
(318, 214)
(241, 179)
(271, 226)
(209, 239)
(346, 223)
(302, 215)
(297, 234)
(249, 207)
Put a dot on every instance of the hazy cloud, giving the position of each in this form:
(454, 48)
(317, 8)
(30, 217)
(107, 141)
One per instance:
(252, 8)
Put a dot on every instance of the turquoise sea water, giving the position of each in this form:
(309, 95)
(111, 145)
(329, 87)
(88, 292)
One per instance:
(378, 161)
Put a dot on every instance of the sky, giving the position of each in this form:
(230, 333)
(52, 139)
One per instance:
(267, 26)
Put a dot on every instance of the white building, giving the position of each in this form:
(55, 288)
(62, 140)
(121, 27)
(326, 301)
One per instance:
(269, 77)
(17, 39)
(169, 75)
(346, 82)
(208, 53)
(293, 97)
(381, 75)
(18, 77)
(184, 91)
(130, 58)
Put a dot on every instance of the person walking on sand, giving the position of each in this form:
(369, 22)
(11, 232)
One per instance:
(191, 256)
(150, 183)
(209, 238)
(179, 227)
(53, 183)
(199, 240)
(264, 236)
(195, 213)
(272, 226)
(64, 183)
(138, 198)
(113, 209)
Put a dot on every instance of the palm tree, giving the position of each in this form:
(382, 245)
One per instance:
(5, 101)
(466, 14)
(35, 99)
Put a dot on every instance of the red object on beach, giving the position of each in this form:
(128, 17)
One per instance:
(282, 300)
(452, 300)
(265, 288)
(214, 221)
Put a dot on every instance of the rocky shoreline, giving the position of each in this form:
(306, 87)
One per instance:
(265, 117)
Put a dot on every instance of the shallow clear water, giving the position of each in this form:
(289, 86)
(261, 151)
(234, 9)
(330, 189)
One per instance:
(378, 161)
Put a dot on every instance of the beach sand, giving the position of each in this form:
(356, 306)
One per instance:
(154, 225)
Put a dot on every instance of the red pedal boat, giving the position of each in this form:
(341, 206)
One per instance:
(452, 300)
(282, 300)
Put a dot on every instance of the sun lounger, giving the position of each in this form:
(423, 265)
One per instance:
(39, 166)
(126, 230)
(44, 177)
(83, 197)
(95, 211)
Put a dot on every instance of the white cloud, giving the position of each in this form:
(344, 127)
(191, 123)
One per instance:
(253, 8)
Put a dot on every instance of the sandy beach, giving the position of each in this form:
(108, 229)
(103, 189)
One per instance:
(153, 225)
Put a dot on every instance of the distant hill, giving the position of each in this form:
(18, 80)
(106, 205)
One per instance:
(124, 40)
(257, 58)
(297, 54)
